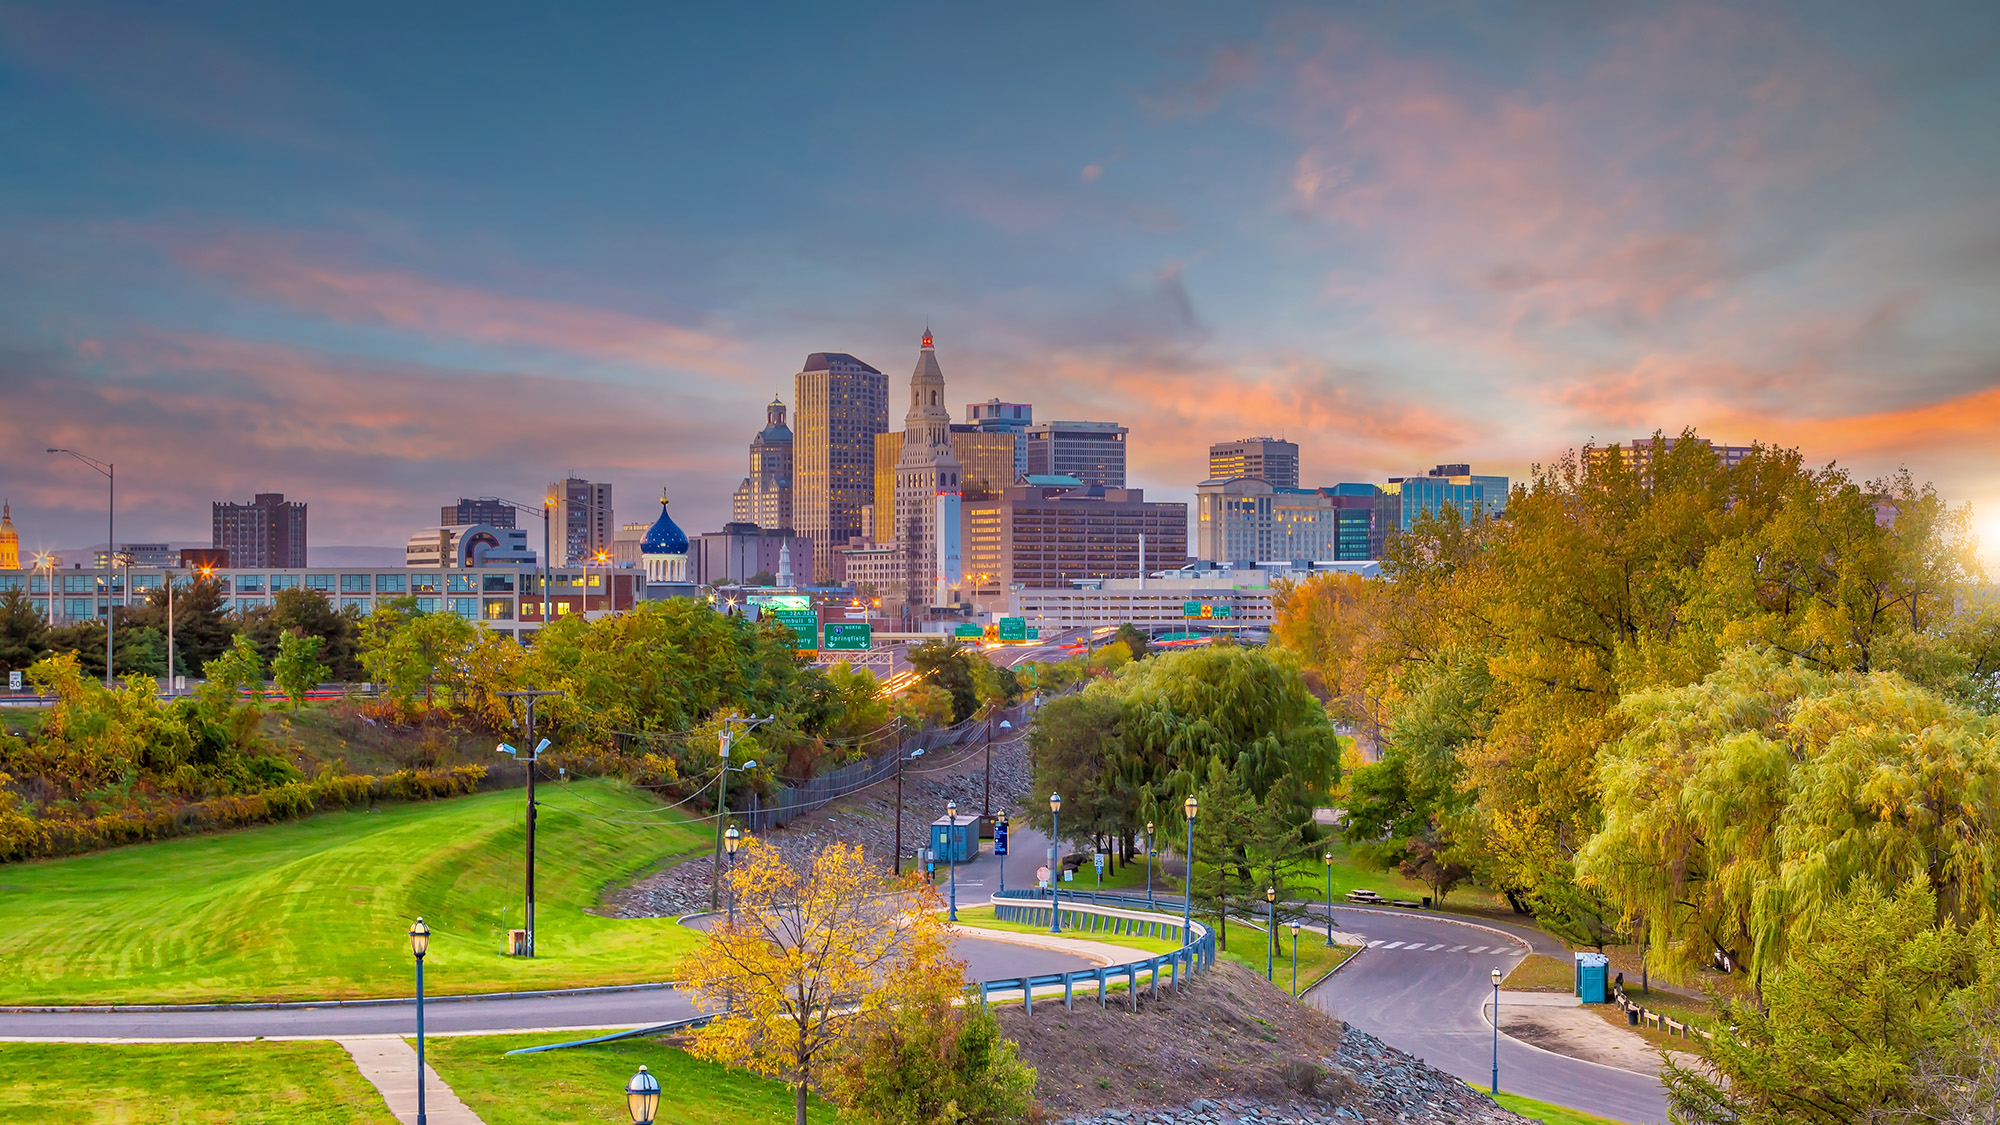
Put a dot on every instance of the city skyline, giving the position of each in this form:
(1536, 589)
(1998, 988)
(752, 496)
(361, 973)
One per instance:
(1394, 238)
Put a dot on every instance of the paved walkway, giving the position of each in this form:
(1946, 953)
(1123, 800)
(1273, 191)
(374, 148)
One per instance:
(391, 1064)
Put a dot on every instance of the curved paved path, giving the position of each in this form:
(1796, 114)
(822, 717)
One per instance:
(1423, 985)
(986, 960)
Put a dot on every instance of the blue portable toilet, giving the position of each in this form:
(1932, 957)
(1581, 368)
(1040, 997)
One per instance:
(955, 839)
(1592, 971)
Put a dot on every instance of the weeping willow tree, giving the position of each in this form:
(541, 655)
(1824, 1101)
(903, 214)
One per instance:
(1739, 809)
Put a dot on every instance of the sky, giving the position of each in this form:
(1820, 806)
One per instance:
(377, 257)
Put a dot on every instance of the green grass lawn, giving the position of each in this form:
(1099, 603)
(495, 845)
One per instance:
(588, 1083)
(1537, 973)
(208, 1083)
(320, 907)
(1316, 958)
(1546, 1112)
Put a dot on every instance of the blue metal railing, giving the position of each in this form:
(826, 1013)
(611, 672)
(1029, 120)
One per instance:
(1196, 951)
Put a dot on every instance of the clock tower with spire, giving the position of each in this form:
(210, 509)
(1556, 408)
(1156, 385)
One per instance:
(927, 488)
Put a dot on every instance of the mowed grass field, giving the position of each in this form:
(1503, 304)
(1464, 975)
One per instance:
(581, 1084)
(321, 907)
(206, 1083)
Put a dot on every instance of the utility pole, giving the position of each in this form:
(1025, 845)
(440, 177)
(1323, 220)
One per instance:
(172, 577)
(726, 736)
(988, 804)
(900, 759)
(534, 756)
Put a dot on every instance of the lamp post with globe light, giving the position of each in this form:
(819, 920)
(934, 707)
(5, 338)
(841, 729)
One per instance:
(420, 943)
(951, 852)
(1191, 807)
(1149, 863)
(1329, 897)
(1271, 935)
(1055, 863)
(730, 840)
(642, 1097)
(1496, 1030)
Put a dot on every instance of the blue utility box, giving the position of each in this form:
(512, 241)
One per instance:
(955, 839)
(1592, 971)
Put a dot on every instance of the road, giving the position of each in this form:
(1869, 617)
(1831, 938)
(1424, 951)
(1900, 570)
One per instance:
(986, 960)
(1423, 986)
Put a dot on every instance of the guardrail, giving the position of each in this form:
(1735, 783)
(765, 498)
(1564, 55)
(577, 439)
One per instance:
(1196, 952)
(1638, 1015)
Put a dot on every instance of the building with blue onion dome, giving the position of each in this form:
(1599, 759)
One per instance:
(664, 551)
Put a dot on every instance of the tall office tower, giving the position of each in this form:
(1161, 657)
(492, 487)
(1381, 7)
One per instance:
(765, 496)
(1048, 536)
(580, 525)
(986, 458)
(485, 510)
(994, 416)
(1270, 460)
(265, 532)
(841, 404)
(1446, 486)
(927, 488)
(1092, 452)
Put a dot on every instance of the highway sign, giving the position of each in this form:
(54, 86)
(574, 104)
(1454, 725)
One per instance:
(1013, 629)
(1042, 876)
(846, 636)
(804, 623)
(968, 632)
(1034, 634)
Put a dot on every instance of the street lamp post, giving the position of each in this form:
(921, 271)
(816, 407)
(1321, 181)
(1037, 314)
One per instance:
(420, 942)
(951, 852)
(726, 737)
(729, 842)
(1149, 863)
(1271, 936)
(1329, 897)
(1295, 958)
(1191, 807)
(1001, 827)
(110, 545)
(900, 759)
(534, 756)
(642, 1097)
(1055, 863)
(1496, 1030)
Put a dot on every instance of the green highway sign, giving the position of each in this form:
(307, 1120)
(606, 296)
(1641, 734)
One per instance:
(1222, 611)
(1034, 634)
(849, 636)
(972, 632)
(1013, 629)
(1190, 609)
(802, 622)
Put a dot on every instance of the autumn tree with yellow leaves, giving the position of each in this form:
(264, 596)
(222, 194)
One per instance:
(817, 963)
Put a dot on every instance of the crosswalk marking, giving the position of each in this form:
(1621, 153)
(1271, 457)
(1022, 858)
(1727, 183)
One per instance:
(1477, 949)
(1456, 949)
(1392, 945)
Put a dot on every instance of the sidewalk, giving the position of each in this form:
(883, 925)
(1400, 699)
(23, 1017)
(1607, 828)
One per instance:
(391, 1064)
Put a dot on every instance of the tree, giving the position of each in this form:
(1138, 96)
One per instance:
(201, 628)
(405, 650)
(815, 959)
(947, 664)
(1845, 1022)
(312, 613)
(1736, 810)
(232, 689)
(939, 1056)
(298, 669)
(23, 631)
(1433, 866)
(1137, 644)
(761, 578)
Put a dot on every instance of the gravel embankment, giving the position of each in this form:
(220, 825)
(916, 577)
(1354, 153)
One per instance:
(867, 818)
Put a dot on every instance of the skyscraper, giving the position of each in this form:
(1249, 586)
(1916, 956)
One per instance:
(1270, 460)
(265, 532)
(1092, 452)
(842, 403)
(765, 496)
(994, 416)
(927, 488)
(581, 526)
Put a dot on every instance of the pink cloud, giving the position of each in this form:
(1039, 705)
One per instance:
(444, 310)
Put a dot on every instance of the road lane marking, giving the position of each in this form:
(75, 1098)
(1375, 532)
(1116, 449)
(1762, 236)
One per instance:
(1392, 945)
(1435, 948)
(1456, 949)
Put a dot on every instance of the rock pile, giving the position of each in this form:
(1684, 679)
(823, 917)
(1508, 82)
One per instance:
(1365, 1081)
(867, 818)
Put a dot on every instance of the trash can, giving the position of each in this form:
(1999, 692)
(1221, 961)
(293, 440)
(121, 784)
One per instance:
(1632, 1015)
(1427, 902)
(1592, 969)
